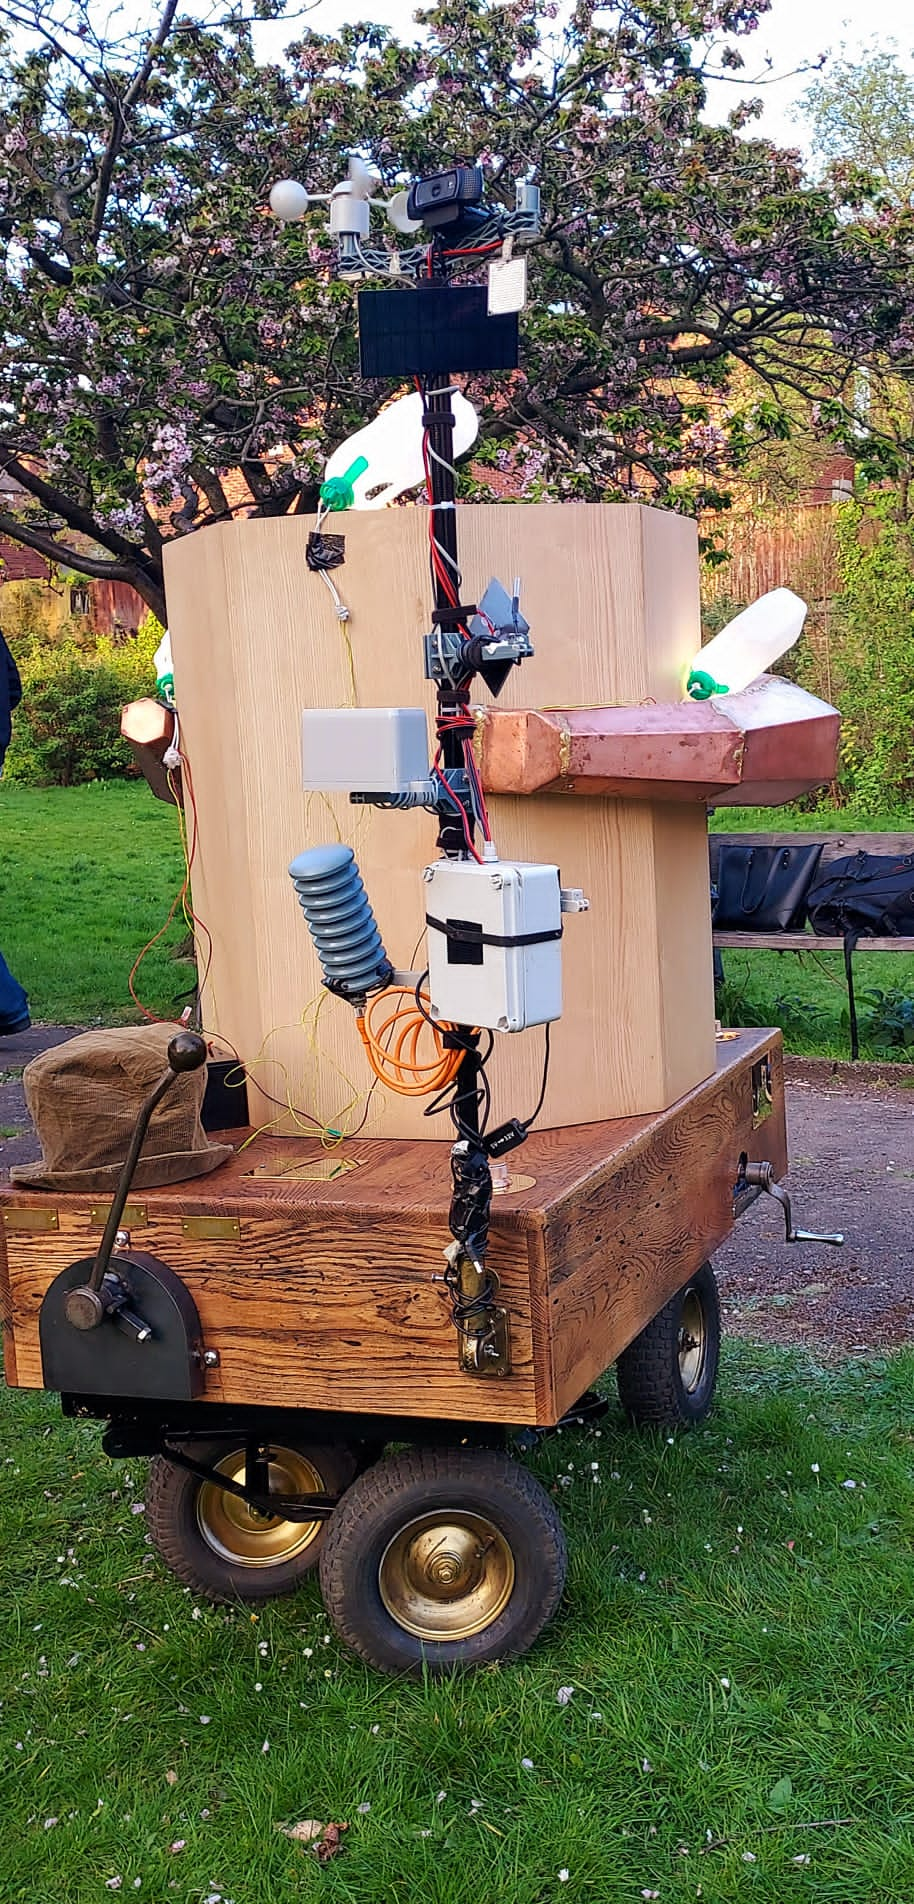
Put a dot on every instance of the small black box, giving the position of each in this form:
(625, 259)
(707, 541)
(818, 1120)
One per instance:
(225, 1100)
(433, 330)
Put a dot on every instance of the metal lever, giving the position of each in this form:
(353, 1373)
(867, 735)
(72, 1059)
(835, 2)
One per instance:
(762, 1177)
(186, 1052)
(104, 1294)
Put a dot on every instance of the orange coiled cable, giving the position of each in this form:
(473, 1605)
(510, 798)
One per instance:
(392, 1044)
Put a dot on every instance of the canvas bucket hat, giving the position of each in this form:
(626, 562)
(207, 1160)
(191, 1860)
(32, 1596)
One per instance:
(84, 1098)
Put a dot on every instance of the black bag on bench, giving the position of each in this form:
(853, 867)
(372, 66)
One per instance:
(866, 894)
(763, 888)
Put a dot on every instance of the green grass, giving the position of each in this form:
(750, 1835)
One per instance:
(87, 875)
(736, 1617)
(805, 992)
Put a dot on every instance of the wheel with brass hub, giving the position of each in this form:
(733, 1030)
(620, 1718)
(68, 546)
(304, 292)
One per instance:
(442, 1558)
(220, 1545)
(667, 1376)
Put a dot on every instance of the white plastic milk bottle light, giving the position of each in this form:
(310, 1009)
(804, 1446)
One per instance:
(748, 646)
(384, 459)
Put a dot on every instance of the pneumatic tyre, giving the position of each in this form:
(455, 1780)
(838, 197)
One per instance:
(442, 1558)
(221, 1547)
(668, 1375)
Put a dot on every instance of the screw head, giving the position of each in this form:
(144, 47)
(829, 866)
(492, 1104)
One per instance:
(211, 1358)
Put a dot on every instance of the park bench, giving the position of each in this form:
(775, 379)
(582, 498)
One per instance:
(834, 846)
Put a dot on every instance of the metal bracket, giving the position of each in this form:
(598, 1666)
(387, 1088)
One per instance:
(488, 1351)
(761, 1177)
(762, 1096)
(293, 1507)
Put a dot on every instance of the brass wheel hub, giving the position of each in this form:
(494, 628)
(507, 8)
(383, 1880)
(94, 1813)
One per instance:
(447, 1575)
(244, 1535)
(692, 1341)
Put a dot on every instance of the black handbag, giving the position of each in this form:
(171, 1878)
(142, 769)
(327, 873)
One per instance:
(763, 888)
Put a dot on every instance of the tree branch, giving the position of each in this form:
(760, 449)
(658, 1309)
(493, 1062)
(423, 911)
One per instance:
(121, 107)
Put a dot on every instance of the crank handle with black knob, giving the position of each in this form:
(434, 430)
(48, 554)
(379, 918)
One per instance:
(103, 1295)
(761, 1177)
(186, 1052)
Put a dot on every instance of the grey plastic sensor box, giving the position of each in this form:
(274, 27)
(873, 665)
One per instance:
(364, 749)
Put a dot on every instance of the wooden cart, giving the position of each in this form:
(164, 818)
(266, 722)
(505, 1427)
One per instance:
(320, 1332)
(272, 1331)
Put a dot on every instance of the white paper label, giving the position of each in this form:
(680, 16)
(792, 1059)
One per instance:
(507, 284)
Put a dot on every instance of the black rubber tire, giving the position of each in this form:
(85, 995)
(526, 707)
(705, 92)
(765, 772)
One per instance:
(404, 1487)
(651, 1386)
(171, 1518)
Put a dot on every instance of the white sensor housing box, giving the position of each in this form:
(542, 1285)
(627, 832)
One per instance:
(364, 749)
(478, 973)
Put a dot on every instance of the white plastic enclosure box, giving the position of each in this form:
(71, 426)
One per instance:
(476, 975)
(364, 749)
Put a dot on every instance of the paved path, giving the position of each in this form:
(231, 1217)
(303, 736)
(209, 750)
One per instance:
(852, 1169)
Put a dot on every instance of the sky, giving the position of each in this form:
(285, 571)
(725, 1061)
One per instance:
(793, 34)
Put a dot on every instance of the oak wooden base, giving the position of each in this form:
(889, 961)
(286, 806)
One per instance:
(324, 1295)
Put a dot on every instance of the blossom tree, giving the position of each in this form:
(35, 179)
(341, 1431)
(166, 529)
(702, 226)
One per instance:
(169, 354)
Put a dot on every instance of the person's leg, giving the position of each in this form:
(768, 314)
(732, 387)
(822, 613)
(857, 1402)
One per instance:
(14, 1004)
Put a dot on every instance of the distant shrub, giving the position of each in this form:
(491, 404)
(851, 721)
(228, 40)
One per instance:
(67, 728)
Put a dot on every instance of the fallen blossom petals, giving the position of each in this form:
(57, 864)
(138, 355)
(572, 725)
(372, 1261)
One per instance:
(325, 1840)
(171, 1778)
(802, 1857)
(178, 1845)
(564, 1695)
(564, 1874)
(527, 1764)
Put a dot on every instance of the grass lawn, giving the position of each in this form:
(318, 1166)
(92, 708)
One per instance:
(737, 1632)
(805, 992)
(87, 875)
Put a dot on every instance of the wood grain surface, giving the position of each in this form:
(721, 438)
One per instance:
(327, 1298)
(612, 596)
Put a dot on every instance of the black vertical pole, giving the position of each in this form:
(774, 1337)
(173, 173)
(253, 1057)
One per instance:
(452, 702)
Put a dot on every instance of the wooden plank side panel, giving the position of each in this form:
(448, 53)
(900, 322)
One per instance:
(633, 1235)
(10, 1368)
(308, 1311)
